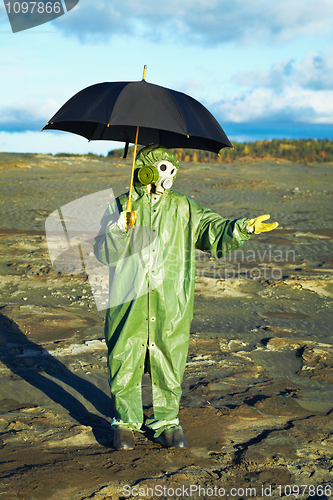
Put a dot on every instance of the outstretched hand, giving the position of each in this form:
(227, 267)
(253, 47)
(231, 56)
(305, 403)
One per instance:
(256, 225)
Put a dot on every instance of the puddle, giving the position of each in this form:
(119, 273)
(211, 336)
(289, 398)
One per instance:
(285, 315)
(275, 238)
(49, 325)
(22, 231)
(279, 365)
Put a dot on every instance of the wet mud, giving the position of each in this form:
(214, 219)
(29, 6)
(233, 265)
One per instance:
(258, 388)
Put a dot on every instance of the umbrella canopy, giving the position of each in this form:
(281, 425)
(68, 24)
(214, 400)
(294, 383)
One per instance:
(114, 110)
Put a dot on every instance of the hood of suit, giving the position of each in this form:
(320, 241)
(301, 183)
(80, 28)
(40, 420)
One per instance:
(161, 166)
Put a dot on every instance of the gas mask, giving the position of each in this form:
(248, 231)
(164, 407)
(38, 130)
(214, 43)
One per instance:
(161, 174)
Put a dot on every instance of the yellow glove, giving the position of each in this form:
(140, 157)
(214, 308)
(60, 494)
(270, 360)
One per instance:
(256, 225)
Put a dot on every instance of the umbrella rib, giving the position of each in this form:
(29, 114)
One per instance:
(180, 114)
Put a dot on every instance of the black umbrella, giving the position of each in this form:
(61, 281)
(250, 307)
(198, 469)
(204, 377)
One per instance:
(140, 113)
(113, 110)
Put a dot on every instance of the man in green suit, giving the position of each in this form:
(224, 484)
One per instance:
(152, 277)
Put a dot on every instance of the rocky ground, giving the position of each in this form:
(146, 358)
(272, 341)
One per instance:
(258, 388)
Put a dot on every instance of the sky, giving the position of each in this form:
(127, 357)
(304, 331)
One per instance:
(263, 68)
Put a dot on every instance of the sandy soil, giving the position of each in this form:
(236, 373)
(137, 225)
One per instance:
(258, 388)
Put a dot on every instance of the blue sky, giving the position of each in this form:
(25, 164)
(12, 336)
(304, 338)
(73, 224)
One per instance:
(264, 68)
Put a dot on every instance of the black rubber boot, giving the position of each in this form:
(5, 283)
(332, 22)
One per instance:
(123, 439)
(172, 438)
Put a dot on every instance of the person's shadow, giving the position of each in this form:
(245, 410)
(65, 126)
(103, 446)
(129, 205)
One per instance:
(33, 363)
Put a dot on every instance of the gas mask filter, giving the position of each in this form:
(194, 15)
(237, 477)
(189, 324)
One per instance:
(161, 174)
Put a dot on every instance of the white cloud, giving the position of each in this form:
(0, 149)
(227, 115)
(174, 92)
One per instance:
(314, 72)
(276, 77)
(292, 104)
(29, 115)
(198, 21)
(290, 92)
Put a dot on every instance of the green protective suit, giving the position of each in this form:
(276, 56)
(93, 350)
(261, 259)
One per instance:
(152, 278)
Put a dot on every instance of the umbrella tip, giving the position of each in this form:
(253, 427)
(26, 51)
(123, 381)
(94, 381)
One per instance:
(144, 72)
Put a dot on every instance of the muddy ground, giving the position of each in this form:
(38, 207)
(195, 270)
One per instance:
(258, 387)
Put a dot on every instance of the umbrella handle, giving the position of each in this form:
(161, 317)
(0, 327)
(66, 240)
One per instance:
(129, 216)
(129, 213)
(131, 219)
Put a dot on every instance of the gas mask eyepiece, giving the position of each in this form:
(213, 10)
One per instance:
(148, 175)
(166, 171)
(161, 174)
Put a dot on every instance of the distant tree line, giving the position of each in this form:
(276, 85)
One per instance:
(297, 151)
